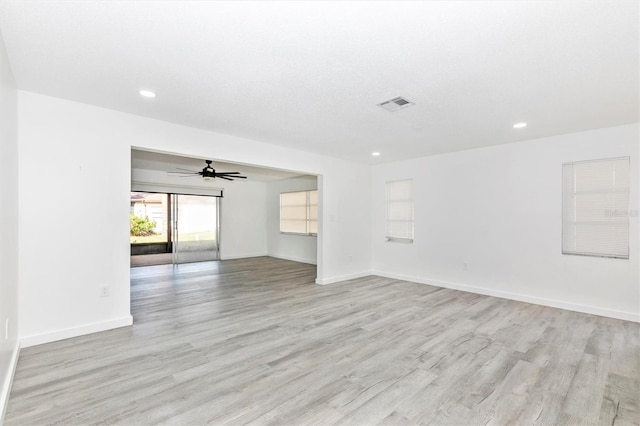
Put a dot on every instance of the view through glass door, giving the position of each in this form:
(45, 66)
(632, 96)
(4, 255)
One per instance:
(173, 228)
(195, 228)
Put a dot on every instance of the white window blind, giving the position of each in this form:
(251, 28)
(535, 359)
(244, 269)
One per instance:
(313, 212)
(399, 196)
(299, 212)
(595, 208)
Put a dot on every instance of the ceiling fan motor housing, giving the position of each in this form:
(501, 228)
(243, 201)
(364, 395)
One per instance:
(208, 172)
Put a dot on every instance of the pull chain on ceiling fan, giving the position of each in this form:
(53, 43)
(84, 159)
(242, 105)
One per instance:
(209, 173)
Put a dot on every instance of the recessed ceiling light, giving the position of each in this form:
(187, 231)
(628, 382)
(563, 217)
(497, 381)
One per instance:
(147, 93)
(375, 154)
(519, 125)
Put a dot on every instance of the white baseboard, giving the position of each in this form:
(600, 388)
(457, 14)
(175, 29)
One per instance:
(295, 259)
(331, 280)
(587, 309)
(243, 256)
(8, 381)
(67, 333)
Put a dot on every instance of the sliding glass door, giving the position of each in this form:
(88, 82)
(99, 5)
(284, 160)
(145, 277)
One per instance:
(196, 228)
(174, 228)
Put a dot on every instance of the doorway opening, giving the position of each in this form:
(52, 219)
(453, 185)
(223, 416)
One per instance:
(173, 228)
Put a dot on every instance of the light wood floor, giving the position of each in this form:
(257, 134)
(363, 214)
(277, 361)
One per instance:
(167, 258)
(255, 341)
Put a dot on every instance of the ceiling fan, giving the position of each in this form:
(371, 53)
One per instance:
(209, 173)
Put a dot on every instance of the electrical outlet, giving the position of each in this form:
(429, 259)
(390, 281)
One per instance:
(104, 291)
(465, 266)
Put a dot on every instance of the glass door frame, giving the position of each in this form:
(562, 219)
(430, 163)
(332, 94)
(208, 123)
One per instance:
(171, 226)
(175, 226)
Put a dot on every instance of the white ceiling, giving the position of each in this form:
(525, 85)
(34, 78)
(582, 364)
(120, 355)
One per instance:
(156, 161)
(309, 74)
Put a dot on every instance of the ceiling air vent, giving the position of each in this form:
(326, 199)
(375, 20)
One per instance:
(395, 104)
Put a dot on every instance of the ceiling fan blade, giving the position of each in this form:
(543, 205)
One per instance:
(208, 172)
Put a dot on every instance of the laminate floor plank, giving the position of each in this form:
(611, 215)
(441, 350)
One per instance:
(255, 341)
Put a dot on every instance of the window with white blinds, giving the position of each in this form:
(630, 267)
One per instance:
(399, 198)
(313, 212)
(595, 208)
(299, 212)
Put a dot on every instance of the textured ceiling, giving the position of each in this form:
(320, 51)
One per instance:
(309, 74)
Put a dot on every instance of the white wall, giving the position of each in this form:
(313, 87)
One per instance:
(243, 218)
(8, 226)
(69, 251)
(499, 210)
(301, 248)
